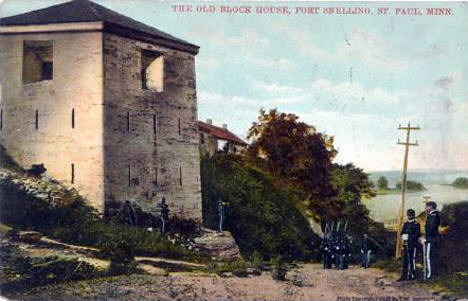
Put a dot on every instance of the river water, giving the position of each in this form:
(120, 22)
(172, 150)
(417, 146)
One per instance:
(384, 208)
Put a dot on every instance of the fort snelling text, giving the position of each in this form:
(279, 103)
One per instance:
(310, 10)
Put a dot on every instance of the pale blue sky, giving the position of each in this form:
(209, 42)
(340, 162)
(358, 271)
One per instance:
(403, 69)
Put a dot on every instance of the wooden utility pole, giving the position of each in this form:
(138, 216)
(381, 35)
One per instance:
(401, 211)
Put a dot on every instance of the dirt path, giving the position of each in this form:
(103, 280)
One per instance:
(308, 282)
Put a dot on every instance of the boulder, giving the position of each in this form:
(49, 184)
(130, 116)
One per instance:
(220, 246)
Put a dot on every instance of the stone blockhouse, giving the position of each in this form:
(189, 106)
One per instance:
(106, 103)
(214, 139)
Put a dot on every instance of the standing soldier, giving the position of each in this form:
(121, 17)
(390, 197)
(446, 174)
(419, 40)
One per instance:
(220, 214)
(366, 251)
(431, 238)
(164, 214)
(327, 251)
(410, 235)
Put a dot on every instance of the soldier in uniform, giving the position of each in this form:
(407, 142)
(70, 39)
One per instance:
(327, 251)
(410, 235)
(343, 252)
(366, 251)
(431, 238)
(221, 214)
(164, 210)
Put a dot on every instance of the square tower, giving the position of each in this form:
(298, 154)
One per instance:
(106, 103)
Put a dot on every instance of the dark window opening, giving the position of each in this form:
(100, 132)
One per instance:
(129, 176)
(73, 173)
(180, 175)
(1, 119)
(202, 138)
(155, 124)
(180, 127)
(152, 70)
(47, 70)
(37, 61)
(73, 118)
(37, 119)
(156, 176)
(128, 121)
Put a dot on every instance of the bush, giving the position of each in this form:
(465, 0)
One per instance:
(75, 222)
(21, 272)
(260, 217)
(455, 242)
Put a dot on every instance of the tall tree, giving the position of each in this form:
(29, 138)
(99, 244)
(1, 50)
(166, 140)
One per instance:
(296, 153)
(382, 183)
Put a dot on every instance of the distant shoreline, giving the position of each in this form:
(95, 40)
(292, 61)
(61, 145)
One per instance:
(395, 191)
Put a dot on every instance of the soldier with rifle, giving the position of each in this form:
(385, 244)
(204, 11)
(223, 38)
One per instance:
(343, 250)
(431, 239)
(326, 247)
(410, 235)
(164, 211)
(366, 251)
(221, 214)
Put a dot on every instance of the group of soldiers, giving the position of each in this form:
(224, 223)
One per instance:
(411, 237)
(129, 216)
(336, 245)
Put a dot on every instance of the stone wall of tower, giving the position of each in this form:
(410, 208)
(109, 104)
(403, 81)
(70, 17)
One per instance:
(76, 85)
(150, 138)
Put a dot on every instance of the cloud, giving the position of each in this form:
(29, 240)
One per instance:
(275, 88)
(449, 80)
(370, 48)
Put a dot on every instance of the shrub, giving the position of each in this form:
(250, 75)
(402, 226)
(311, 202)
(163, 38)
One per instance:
(21, 272)
(73, 221)
(455, 242)
(260, 217)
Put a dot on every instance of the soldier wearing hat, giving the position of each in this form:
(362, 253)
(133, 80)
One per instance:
(431, 238)
(410, 235)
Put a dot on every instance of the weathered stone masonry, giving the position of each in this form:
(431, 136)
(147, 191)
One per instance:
(161, 160)
(98, 125)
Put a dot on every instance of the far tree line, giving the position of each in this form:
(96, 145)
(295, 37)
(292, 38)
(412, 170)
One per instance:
(382, 185)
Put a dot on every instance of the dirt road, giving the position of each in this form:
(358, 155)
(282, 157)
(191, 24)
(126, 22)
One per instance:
(307, 282)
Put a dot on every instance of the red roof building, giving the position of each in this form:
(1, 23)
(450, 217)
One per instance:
(215, 139)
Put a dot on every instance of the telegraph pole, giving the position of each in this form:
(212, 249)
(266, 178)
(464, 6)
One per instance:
(401, 212)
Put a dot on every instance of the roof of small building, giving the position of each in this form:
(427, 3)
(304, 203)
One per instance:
(88, 11)
(219, 132)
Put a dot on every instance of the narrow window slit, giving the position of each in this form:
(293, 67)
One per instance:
(129, 175)
(37, 120)
(180, 175)
(73, 118)
(73, 173)
(128, 121)
(180, 127)
(156, 176)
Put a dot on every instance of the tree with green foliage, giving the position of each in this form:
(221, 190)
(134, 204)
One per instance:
(263, 219)
(382, 183)
(296, 153)
(300, 160)
(412, 186)
(456, 240)
(461, 182)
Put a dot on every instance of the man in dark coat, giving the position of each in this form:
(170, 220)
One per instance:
(366, 251)
(432, 238)
(327, 249)
(410, 236)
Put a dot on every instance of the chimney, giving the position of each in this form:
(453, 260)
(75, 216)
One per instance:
(209, 121)
(225, 126)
